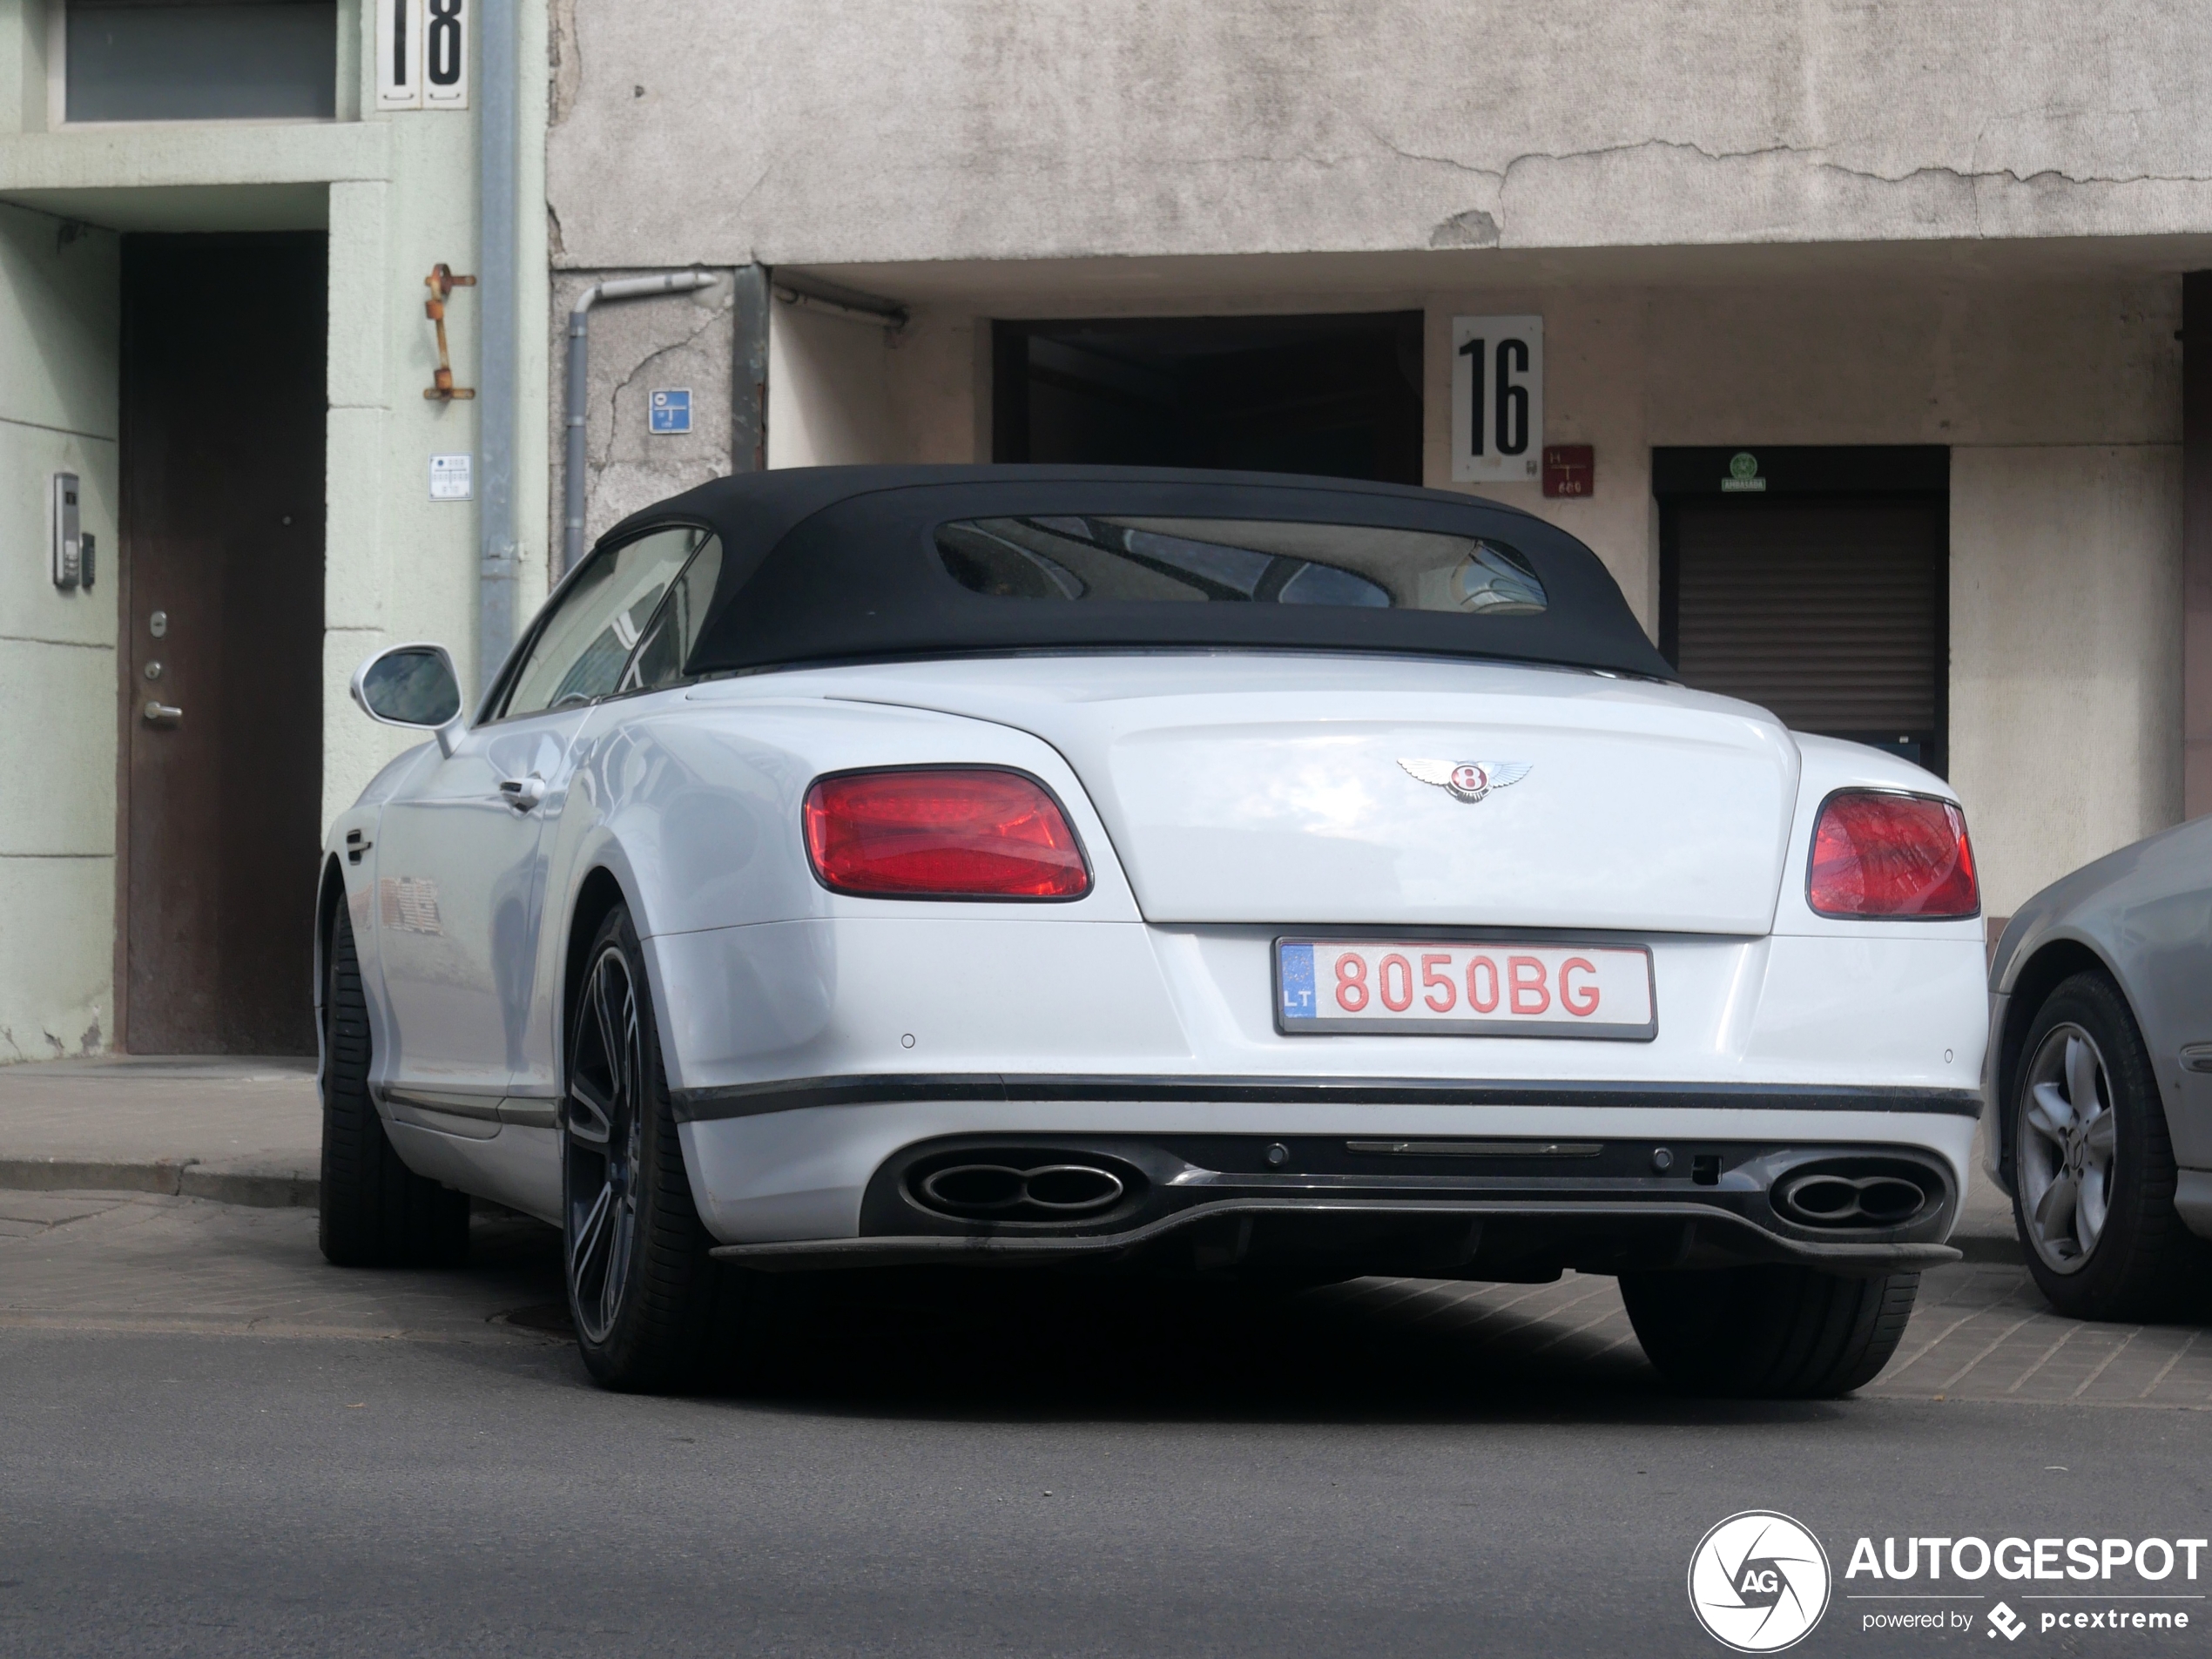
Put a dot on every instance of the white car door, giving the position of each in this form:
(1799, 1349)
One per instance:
(460, 890)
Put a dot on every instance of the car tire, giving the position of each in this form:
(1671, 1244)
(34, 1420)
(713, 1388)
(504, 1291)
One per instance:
(653, 1309)
(375, 1211)
(1773, 1331)
(2093, 1193)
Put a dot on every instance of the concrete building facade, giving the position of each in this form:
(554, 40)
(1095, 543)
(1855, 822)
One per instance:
(374, 199)
(1924, 269)
(1963, 229)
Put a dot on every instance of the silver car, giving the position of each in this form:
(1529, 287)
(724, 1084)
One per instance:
(1196, 872)
(2100, 1078)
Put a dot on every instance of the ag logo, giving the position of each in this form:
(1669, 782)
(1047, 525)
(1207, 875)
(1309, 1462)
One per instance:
(1758, 1581)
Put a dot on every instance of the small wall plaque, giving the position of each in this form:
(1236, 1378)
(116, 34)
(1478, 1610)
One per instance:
(1570, 469)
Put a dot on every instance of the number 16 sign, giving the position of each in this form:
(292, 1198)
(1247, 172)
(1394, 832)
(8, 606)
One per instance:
(1497, 399)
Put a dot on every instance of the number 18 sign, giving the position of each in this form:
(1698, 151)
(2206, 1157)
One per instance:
(1497, 399)
(422, 52)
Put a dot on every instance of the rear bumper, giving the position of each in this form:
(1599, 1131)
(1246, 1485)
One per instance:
(1499, 1241)
(1513, 1208)
(909, 1008)
(815, 1173)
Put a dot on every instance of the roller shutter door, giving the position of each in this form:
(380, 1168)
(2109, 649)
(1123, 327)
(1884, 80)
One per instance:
(1829, 612)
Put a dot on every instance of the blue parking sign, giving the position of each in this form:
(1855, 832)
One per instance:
(672, 411)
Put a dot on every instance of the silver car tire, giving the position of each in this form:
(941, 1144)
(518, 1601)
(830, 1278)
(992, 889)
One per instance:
(2092, 1165)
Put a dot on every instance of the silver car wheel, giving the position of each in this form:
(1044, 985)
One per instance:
(601, 1137)
(2063, 1146)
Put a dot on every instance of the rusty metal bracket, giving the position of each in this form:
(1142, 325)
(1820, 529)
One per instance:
(441, 282)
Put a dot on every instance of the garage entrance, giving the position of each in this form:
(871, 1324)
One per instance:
(223, 411)
(1338, 395)
(1814, 581)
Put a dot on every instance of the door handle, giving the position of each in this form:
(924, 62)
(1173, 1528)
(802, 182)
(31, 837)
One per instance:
(523, 793)
(162, 714)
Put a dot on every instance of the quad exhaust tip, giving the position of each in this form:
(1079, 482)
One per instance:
(986, 1190)
(1828, 1198)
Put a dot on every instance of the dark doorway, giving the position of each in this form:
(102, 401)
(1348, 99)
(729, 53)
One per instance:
(1337, 396)
(222, 555)
(1815, 583)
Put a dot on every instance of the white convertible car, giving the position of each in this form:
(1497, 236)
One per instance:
(1171, 872)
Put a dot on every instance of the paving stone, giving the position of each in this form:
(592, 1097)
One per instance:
(40, 1211)
(124, 1261)
(147, 1260)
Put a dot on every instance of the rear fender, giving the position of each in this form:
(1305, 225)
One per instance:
(705, 802)
(700, 821)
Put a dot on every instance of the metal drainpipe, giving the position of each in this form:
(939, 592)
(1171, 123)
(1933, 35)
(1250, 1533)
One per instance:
(578, 392)
(498, 555)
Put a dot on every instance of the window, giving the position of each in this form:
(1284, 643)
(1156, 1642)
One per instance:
(582, 646)
(1333, 394)
(201, 60)
(1234, 560)
(659, 660)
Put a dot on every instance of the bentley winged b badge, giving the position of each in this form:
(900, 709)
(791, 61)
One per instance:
(1467, 781)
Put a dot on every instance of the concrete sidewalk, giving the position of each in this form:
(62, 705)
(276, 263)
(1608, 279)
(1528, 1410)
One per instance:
(243, 1130)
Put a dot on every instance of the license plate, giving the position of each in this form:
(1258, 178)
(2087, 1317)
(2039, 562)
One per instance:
(1432, 988)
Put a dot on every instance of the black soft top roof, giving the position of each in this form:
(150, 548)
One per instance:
(828, 564)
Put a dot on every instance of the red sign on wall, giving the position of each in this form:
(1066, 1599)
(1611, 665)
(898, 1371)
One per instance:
(1570, 470)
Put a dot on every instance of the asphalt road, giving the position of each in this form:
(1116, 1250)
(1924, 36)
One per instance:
(213, 1443)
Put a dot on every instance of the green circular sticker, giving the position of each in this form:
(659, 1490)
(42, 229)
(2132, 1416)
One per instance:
(1743, 464)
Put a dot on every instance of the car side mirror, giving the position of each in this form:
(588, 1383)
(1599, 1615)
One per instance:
(413, 685)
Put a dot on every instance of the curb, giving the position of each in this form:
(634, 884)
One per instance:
(174, 1178)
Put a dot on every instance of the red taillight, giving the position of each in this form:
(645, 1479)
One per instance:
(1880, 854)
(943, 832)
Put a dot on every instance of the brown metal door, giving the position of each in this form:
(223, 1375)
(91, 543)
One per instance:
(1828, 611)
(222, 534)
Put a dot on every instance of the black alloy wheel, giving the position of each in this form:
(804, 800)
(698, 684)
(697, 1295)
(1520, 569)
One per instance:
(604, 1127)
(2093, 1166)
(648, 1301)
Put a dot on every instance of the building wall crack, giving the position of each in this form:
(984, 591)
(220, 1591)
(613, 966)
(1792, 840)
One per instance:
(1819, 154)
(605, 457)
(1487, 225)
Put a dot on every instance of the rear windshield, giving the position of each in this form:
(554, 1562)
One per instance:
(1247, 560)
